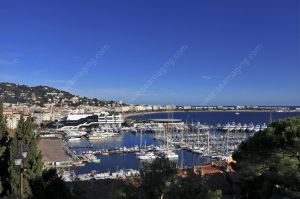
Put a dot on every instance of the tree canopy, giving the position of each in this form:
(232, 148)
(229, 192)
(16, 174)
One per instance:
(157, 177)
(160, 180)
(25, 138)
(4, 139)
(38, 184)
(268, 164)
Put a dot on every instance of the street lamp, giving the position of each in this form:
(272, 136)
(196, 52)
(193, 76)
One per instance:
(21, 155)
(18, 160)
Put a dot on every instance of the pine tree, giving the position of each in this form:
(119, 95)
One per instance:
(4, 139)
(33, 164)
(268, 164)
(12, 170)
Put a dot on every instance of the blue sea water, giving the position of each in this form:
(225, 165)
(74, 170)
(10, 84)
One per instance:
(129, 161)
(222, 117)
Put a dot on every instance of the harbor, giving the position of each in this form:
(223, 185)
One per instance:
(188, 143)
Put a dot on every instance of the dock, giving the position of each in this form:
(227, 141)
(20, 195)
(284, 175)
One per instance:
(121, 150)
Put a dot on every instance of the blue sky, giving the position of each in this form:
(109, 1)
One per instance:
(54, 43)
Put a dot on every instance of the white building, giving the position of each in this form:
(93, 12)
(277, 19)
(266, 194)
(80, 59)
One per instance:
(139, 108)
(12, 121)
(42, 117)
(125, 109)
(187, 107)
(89, 120)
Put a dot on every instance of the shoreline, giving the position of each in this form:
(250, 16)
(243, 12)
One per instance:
(128, 115)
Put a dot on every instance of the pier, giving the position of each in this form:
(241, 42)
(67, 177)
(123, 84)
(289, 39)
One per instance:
(120, 150)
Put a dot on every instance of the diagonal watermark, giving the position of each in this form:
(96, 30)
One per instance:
(92, 62)
(235, 72)
(162, 70)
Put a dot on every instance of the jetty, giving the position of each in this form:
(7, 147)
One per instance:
(120, 150)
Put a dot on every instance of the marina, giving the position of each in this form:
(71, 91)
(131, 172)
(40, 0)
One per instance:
(149, 99)
(186, 142)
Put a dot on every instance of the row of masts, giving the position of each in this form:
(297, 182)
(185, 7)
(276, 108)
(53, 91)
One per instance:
(207, 140)
(214, 141)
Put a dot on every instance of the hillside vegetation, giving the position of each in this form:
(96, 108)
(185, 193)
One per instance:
(41, 95)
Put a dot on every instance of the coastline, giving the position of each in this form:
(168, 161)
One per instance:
(128, 115)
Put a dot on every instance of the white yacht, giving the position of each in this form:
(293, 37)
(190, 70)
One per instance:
(75, 134)
(146, 156)
(232, 126)
(99, 134)
(95, 135)
(226, 127)
(250, 127)
(200, 150)
(263, 127)
(244, 127)
(109, 134)
(74, 139)
(92, 158)
(257, 128)
(171, 155)
(238, 127)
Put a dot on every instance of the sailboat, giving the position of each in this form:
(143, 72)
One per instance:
(169, 153)
(143, 155)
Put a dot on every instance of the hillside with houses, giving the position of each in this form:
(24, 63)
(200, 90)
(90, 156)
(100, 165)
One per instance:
(43, 96)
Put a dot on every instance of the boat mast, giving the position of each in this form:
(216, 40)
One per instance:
(227, 141)
(198, 139)
(141, 137)
(208, 148)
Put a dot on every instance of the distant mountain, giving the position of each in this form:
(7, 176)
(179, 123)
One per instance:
(42, 95)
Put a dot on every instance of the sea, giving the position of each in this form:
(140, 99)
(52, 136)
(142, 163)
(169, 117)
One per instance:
(115, 162)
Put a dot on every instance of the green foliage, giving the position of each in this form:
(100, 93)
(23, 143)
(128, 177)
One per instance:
(160, 180)
(124, 191)
(49, 186)
(37, 184)
(13, 176)
(191, 187)
(157, 177)
(268, 164)
(25, 140)
(4, 139)
(16, 93)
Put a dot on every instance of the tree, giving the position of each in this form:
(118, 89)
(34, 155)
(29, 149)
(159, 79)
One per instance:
(33, 164)
(49, 186)
(191, 187)
(268, 164)
(38, 184)
(160, 180)
(157, 177)
(4, 139)
(124, 190)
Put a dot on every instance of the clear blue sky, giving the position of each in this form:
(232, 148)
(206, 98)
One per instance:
(49, 42)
